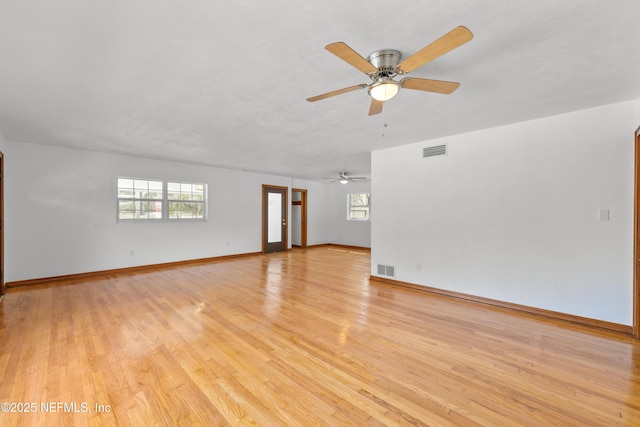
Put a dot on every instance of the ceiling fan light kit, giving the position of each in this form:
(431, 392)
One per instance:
(384, 89)
(383, 65)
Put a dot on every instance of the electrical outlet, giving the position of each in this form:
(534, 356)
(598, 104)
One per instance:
(603, 215)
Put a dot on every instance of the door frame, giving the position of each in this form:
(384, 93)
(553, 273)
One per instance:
(303, 214)
(3, 284)
(265, 188)
(636, 237)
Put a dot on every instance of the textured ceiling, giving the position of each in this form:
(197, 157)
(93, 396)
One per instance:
(225, 83)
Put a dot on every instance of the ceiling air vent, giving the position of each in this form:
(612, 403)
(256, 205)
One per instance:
(437, 150)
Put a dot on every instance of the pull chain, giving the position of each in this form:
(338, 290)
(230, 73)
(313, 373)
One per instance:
(385, 122)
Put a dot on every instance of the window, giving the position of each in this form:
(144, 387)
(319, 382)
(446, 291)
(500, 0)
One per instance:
(185, 200)
(139, 199)
(145, 199)
(358, 206)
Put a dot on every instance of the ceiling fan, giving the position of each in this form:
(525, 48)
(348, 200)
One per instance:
(344, 178)
(383, 65)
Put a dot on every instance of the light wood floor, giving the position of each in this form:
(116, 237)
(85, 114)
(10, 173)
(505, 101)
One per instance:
(296, 339)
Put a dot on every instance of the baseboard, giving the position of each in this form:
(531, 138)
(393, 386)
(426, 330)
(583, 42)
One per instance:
(538, 312)
(318, 245)
(124, 270)
(337, 246)
(349, 247)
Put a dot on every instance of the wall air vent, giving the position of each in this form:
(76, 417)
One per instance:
(437, 150)
(386, 270)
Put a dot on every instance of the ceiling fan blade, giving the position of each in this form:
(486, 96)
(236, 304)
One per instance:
(454, 38)
(351, 57)
(376, 107)
(336, 92)
(428, 85)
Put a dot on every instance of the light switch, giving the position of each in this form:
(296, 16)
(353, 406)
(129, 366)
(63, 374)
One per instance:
(604, 214)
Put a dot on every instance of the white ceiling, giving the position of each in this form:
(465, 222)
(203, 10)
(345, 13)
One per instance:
(225, 83)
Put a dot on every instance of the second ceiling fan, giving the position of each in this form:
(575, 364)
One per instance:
(383, 65)
(345, 178)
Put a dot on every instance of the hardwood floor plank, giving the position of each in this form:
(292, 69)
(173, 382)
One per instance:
(301, 338)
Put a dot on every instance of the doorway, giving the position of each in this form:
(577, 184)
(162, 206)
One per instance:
(3, 285)
(274, 218)
(636, 239)
(299, 217)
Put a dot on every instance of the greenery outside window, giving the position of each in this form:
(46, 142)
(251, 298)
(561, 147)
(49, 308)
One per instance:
(186, 200)
(358, 206)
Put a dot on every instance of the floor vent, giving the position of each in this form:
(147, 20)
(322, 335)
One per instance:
(437, 150)
(386, 270)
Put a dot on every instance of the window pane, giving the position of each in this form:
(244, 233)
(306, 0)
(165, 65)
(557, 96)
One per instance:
(185, 191)
(359, 214)
(141, 185)
(155, 186)
(130, 209)
(198, 192)
(125, 192)
(274, 227)
(137, 209)
(125, 183)
(126, 209)
(149, 210)
(186, 210)
(139, 189)
(359, 200)
(173, 190)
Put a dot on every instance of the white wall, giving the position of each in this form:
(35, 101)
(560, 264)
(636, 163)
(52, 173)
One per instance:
(341, 231)
(512, 213)
(60, 213)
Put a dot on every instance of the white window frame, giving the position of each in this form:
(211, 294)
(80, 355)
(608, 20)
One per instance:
(164, 201)
(203, 202)
(135, 200)
(351, 208)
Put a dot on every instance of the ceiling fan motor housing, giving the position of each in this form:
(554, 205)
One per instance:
(386, 61)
